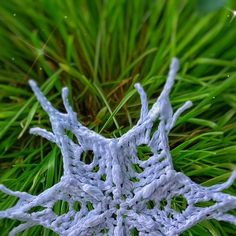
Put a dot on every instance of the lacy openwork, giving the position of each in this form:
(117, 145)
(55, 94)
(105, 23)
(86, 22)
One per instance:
(119, 192)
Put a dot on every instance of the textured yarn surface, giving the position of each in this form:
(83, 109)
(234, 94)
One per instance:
(117, 192)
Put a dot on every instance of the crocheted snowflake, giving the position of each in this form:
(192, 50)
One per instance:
(118, 191)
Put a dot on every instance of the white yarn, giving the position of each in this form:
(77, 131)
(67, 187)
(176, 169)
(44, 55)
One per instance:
(120, 204)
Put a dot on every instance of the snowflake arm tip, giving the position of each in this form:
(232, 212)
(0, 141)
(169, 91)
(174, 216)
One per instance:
(43, 133)
(144, 103)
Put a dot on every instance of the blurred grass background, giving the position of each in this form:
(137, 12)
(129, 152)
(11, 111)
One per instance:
(99, 49)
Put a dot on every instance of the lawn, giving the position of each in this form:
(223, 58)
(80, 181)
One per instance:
(99, 50)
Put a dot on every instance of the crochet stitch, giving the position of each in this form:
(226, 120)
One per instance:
(123, 191)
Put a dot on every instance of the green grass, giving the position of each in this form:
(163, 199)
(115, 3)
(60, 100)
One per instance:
(99, 49)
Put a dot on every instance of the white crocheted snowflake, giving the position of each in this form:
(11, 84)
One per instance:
(117, 192)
